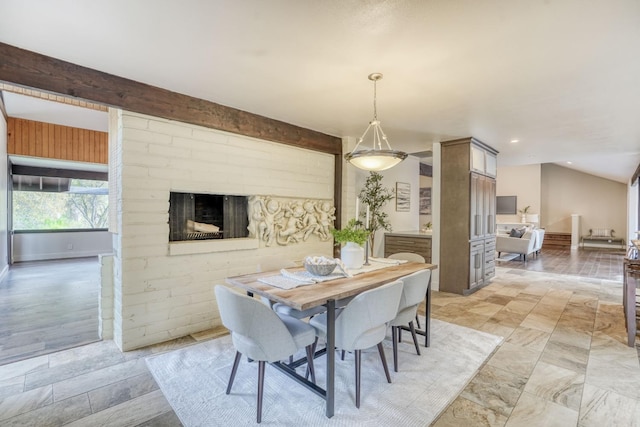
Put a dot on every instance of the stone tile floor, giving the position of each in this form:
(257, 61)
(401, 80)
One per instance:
(564, 362)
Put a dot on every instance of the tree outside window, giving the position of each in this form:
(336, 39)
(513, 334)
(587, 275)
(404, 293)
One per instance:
(83, 206)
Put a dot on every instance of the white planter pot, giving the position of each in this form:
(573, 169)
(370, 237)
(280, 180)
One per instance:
(352, 255)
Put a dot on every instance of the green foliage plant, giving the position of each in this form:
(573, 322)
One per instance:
(376, 197)
(353, 232)
(525, 210)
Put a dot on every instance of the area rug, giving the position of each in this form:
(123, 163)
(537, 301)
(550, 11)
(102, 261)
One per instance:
(194, 380)
(507, 257)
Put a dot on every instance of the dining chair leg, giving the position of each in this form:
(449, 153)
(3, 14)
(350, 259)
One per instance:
(394, 340)
(417, 321)
(310, 366)
(313, 352)
(415, 338)
(236, 362)
(358, 354)
(261, 366)
(384, 362)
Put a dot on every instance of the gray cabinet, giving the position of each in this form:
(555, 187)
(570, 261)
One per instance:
(468, 215)
(413, 242)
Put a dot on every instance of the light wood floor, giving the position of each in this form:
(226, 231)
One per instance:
(563, 362)
(48, 306)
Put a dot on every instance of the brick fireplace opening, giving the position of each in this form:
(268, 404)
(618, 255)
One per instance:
(195, 216)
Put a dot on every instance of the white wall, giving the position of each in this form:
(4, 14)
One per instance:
(523, 182)
(158, 296)
(407, 171)
(58, 245)
(601, 203)
(4, 256)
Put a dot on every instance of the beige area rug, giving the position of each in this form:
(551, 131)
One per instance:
(194, 380)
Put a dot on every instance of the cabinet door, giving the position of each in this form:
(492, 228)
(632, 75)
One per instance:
(489, 213)
(476, 203)
(476, 267)
(477, 159)
(490, 164)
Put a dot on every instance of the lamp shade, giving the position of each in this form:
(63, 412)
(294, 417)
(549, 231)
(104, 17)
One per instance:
(375, 160)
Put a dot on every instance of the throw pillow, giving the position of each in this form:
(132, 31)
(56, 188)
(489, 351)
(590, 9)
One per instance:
(516, 233)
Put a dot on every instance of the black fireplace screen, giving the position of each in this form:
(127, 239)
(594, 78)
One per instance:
(207, 216)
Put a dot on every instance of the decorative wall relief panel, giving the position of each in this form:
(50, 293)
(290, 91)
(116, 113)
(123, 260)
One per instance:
(285, 221)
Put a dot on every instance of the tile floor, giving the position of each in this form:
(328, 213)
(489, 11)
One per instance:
(563, 362)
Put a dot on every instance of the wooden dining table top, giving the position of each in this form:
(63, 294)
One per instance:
(307, 296)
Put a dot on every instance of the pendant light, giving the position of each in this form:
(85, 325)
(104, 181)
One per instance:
(377, 158)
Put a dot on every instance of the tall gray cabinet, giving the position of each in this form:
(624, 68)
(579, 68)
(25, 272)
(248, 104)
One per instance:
(467, 215)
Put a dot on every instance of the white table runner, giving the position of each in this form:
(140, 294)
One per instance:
(293, 279)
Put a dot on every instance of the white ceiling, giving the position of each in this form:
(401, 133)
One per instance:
(562, 76)
(28, 107)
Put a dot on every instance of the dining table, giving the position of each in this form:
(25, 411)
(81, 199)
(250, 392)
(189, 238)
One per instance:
(326, 293)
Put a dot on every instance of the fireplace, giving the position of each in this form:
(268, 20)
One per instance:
(207, 216)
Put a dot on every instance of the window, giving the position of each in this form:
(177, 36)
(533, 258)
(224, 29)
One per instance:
(53, 203)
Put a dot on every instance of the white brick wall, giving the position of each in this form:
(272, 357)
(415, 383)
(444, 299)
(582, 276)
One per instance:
(158, 296)
(105, 306)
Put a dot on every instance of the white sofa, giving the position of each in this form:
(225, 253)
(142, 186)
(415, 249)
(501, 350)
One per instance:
(539, 239)
(524, 245)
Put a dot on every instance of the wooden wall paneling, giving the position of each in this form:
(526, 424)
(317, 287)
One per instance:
(57, 153)
(11, 135)
(51, 144)
(37, 139)
(31, 142)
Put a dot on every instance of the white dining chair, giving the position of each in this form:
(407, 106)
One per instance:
(411, 257)
(414, 290)
(363, 324)
(261, 335)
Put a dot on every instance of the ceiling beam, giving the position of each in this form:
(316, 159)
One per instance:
(30, 69)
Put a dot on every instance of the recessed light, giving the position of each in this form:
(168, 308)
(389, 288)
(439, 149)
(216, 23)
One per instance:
(569, 163)
(515, 141)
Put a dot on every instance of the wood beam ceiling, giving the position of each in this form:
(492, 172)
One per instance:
(33, 70)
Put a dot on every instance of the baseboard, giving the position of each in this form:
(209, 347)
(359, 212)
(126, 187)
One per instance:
(55, 255)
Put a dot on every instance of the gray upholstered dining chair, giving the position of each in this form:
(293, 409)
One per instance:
(411, 257)
(363, 324)
(261, 335)
(408, 256)
(413, 293)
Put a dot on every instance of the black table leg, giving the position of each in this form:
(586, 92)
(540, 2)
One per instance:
(331, 356)
(427, 321)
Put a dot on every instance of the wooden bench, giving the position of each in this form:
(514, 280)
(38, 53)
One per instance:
(602, 236)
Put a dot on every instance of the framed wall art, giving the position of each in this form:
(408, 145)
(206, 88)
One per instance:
(425, 201)
(403, 197)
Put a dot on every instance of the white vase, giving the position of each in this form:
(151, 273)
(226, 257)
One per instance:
(524, 218)
(352, 255)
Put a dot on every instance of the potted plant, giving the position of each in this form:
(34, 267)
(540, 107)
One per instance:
(353, 236)
(376, 197)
